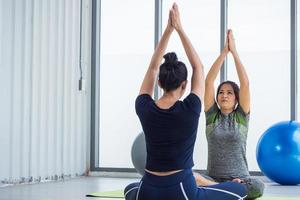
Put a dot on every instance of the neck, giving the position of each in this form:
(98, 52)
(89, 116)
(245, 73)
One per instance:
(173, 95)
(168, 99)
(226, 111)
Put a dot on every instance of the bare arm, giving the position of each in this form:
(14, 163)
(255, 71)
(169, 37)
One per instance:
(197, 83)
(242, 74)
(209, 98)
(151, 74)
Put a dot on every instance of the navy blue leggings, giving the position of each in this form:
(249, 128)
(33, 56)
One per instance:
(181, 186)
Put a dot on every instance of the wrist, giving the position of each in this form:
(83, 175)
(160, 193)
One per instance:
(169, 29)
(224, 52)
(180, 30)
(234, 53)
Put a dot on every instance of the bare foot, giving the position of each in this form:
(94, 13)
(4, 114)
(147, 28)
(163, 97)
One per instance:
(237, 180)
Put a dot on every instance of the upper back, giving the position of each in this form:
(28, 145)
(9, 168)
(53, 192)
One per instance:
(170, 133)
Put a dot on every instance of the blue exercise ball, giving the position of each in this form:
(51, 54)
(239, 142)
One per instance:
(139, 153)
(278, 153)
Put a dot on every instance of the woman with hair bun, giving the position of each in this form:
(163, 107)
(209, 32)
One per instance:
(170, 127)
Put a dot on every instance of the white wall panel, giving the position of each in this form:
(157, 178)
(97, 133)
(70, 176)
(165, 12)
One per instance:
(44, 119)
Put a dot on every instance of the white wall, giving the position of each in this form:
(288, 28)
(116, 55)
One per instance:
(44, 119)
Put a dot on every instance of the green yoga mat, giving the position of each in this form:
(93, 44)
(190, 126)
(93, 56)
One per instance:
(119, 194)
(278, 198)
(108, 194)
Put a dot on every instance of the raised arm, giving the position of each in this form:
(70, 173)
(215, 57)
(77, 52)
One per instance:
(197, 83)
(148, 83)
(209, 98)
(242, 74)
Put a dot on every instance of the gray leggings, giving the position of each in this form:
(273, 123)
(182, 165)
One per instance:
(255, 187)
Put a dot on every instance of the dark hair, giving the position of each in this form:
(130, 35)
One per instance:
(235, 87)
(172, 72)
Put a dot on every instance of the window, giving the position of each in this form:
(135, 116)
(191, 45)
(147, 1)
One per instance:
(298, 59)
(127, 44)
(262, 33)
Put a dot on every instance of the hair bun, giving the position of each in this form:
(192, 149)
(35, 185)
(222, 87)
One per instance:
(170, 58)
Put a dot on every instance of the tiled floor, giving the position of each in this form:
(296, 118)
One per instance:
(77, 188)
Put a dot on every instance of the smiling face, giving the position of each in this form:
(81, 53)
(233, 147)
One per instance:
(226, 97)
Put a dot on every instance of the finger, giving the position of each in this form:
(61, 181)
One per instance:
(176, 13)
(172, 15)
(231, 34)
(174, 5)
(171, 21)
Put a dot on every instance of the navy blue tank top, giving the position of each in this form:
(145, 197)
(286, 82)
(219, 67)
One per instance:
(170, 133)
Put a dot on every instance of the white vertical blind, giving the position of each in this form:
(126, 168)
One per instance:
(44, 119)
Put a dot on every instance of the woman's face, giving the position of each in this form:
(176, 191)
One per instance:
(226, 97)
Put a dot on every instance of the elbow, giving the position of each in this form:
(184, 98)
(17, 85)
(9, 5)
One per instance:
(208, 81)
(154, 70)
(246, 83)
(197, 66)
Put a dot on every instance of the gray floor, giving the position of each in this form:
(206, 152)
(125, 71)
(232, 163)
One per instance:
(77, 188)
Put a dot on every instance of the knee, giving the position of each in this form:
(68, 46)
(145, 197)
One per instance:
(237, 188)
(128, 187)
(241, 189)
(129, 191)
(255, 188)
